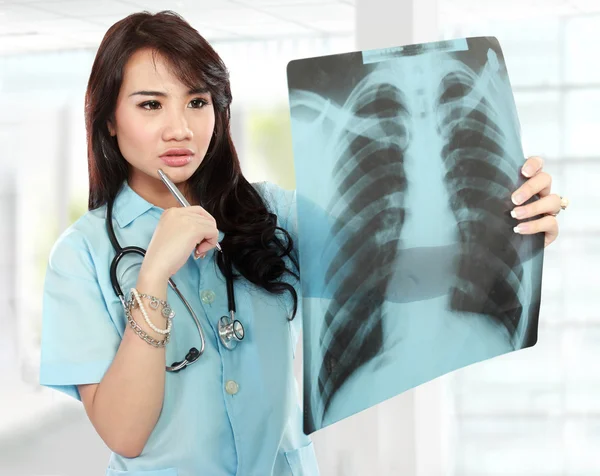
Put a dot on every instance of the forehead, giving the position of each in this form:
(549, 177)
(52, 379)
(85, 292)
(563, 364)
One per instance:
(147, 70)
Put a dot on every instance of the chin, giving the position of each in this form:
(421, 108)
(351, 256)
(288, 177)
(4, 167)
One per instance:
(179, 174)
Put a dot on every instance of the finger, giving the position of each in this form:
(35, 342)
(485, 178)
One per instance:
(532, 166)
(548, 225)
(198, 210)
(547, 204)
(195, 217)
(193, 210)
(208, 243)
(204, 220)
(539, 184)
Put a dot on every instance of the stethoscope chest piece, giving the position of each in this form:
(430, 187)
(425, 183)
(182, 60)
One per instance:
(231, 331)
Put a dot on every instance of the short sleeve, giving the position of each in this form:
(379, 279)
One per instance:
(283, 203)
(79, 339)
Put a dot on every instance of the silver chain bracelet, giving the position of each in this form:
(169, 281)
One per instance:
(139, 331)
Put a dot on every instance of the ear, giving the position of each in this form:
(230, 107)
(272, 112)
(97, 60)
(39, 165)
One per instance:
(111, 129)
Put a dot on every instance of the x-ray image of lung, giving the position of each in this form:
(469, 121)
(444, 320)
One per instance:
(406, 159)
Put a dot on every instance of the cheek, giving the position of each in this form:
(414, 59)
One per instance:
(205, 128)
(135, 135)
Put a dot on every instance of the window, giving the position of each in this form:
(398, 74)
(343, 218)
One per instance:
(537, 410)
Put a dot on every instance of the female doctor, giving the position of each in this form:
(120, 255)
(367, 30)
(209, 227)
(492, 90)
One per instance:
(158, 97)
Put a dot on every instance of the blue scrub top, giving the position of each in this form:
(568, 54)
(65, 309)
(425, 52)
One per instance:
(233, 412)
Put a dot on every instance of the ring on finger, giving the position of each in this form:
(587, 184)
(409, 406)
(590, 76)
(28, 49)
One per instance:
(564, 203)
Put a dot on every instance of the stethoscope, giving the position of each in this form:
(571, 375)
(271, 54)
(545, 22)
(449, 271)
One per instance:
(230, 330)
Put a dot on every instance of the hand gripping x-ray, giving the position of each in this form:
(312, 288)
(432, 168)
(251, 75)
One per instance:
(406, 159)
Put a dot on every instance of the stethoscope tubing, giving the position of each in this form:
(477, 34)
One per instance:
(230, 330)
(120, 253)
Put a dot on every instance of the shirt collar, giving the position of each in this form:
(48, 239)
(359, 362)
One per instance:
(129, 205)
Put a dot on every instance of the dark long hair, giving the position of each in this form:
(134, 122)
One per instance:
(253, 242)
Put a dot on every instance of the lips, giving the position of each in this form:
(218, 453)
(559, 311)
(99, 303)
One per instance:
(177, 153)
(176, 160)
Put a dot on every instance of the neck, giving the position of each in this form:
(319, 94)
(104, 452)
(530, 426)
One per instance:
(155, 191)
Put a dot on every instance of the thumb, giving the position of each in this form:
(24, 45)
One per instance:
(204, 246)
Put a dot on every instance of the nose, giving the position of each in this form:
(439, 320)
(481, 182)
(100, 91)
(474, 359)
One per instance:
(176, 127)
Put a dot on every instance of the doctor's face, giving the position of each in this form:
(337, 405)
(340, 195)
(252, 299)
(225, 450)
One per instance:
(156, 112)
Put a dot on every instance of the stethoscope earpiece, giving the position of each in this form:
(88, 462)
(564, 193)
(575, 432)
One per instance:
(190, 358)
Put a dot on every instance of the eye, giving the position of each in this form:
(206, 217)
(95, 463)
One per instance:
(154, 104)
(203, 102)
(149, 103)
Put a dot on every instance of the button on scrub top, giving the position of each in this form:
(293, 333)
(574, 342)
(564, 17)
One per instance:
(233, 412)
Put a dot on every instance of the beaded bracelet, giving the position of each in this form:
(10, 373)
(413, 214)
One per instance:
(140, 332)
(147, 319)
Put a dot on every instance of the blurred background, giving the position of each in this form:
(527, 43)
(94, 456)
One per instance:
(533, 412)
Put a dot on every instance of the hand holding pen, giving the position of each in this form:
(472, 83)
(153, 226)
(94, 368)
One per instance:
(178, 195)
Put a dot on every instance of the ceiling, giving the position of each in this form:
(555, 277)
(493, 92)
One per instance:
(36, 25)
(466, 11)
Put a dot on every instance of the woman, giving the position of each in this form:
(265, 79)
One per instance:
(157, 87)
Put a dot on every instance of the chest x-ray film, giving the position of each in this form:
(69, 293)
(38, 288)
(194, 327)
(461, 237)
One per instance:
(406, 159)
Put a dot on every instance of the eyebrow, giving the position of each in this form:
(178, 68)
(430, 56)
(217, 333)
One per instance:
(201, 90)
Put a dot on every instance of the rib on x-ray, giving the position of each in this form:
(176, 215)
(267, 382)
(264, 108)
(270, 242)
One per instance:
(406, 159)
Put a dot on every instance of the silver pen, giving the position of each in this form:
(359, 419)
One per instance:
(178, 195)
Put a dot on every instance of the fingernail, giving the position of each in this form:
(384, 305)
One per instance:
(202, 255)
(527, 171)
(517, 212)
(517, 199)
(520, 228)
